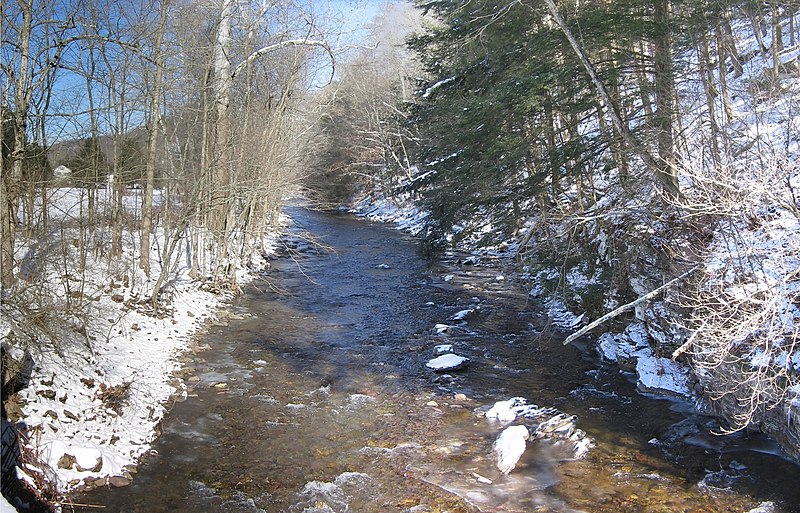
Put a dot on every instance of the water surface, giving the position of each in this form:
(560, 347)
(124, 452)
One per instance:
(313, 397)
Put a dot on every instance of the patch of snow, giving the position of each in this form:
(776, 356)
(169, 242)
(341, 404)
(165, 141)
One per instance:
(447, 362)
(432, 89)
(509, 447)
(443, 348)
(463, 314)
(662, 375)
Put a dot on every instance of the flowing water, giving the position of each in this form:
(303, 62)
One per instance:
(313, 396)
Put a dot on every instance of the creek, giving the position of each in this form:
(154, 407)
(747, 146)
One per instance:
(311, 395)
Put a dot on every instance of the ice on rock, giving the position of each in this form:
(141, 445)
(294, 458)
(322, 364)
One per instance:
(509, 447)
(764, 507)
(505, 412)
(551, 424)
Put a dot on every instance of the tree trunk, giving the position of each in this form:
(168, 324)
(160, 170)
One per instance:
(152, 144)
(722, 52)
(664, 82)
(707, 78)
(222, 161)
(667, 179)
(777, 38)
(552, 153)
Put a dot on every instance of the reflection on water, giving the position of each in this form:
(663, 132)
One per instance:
(317, 400)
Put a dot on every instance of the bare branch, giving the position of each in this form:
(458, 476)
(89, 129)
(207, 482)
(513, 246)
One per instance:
(277, 46)
(624, 308)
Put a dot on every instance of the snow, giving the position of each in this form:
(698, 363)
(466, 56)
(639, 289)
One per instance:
(662, 375)
(70, 415)
(463, 315)
(443, 348)
(432, 89)
(447, 362)
(608, 344)
(509, 447)
(5, 506)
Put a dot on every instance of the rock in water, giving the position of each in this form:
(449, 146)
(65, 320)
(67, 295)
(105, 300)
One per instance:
(764, 507)
(509, 446)
(505, 412)
(447, 362)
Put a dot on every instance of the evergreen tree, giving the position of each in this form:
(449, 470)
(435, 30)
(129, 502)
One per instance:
(89, 166)
(510, 117)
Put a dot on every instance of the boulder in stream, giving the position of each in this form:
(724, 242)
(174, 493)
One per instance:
(448, 362)
(509, 447)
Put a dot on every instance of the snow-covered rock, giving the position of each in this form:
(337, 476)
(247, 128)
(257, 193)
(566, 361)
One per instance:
(447, 362)
(463, 315)
(443, 349)
(662, 375)
(442, 328)
(506, 412)
(608, 345)
(509, 447)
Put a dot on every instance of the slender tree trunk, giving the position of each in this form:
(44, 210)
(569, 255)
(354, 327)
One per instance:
(644, 82)
(668, 178)
(549, 129)
(664, 81)
(152, 143)
(707, 78)
(222, 161)
(7, 229)
(730, 43)
(12, 181)
(777, 38)
(722, 53)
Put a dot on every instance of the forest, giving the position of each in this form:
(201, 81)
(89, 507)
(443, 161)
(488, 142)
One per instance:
(613, 150)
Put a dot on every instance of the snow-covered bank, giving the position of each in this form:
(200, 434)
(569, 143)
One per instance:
(103, 360)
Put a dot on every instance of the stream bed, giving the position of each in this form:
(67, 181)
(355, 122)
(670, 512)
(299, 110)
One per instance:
(310, 394)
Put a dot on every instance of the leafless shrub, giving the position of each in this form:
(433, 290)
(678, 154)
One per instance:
(744, 316)
(114, 397)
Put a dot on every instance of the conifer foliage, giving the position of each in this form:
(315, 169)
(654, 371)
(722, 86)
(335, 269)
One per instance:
(511, 118)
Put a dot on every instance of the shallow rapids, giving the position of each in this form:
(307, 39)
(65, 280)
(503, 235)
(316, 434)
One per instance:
(311, 395)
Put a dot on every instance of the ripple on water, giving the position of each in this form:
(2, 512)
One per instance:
(205, 498)
(336, 496)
